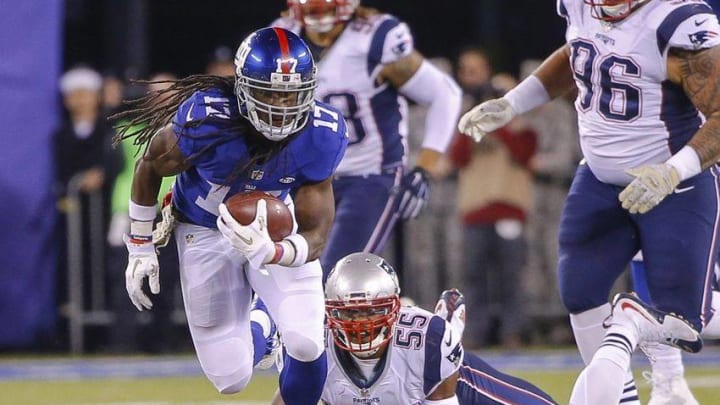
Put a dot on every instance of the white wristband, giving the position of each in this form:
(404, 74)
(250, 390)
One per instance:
(299, 247)
(141, 229)
(686, 162)
(142, 212)
(527, 95)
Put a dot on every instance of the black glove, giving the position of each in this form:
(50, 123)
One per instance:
(411, 196)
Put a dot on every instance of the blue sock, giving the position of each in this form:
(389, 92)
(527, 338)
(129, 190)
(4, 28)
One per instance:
(259, 342)
(301, 383)
(639, 276)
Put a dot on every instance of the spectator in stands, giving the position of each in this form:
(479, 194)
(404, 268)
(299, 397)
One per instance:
(83, 143)
(113, 88)
(494, 197)
(85, 161)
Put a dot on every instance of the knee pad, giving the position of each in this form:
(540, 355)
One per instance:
(302, 347)
(226, 363)
(230, 384)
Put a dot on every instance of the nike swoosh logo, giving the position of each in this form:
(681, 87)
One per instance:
(626, 305)
(248, 241)
(188, 116)
(684, 189)
(135, 266)
(697, 24)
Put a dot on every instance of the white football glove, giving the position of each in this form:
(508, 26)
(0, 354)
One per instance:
(651, 185)
(142, 262)
(252, 240)
(485, 118)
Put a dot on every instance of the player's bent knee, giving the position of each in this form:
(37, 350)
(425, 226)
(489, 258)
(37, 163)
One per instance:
(226, 363)
(231, 384)
(301, 347)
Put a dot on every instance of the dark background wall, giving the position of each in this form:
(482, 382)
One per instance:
(179, 35)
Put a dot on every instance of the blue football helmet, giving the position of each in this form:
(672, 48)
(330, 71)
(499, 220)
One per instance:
(275, 82)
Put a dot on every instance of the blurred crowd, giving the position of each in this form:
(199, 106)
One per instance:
(490, 227)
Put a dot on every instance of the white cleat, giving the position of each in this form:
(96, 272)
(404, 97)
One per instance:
(669, 391)
(654, 325)
(273, 343)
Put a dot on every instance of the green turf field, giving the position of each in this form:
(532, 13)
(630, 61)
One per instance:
(177, 379)
(705, 383)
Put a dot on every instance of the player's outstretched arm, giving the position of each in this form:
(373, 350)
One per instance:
(314, 213)
(444, 394)
(698, 72)
(162, 158)
(552, 79)
(555, 73)
(425, 84)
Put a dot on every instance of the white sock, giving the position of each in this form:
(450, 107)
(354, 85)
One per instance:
(589, 334)
(630, 393)
(599, 384)
(263, 320)
(712, 329)
(588, 330)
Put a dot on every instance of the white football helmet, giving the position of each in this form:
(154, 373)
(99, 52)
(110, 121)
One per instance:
(362, 301)
(321, 15)
(613, 10)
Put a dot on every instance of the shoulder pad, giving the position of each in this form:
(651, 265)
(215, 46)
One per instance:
(687, 25)
(443, 353)
(392, 40)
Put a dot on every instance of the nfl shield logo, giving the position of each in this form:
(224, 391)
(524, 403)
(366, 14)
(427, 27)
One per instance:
(257, 175)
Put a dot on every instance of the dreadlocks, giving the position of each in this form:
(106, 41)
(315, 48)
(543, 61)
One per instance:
(155, 110)
(148, 114)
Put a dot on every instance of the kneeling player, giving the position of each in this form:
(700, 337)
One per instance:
(381, 353)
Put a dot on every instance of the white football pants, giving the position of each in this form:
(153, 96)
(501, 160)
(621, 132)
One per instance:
(217, 286)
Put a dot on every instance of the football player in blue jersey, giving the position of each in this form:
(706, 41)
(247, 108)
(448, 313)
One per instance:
(381, 353)
(262, 131)
(647, 74)
(368, 67)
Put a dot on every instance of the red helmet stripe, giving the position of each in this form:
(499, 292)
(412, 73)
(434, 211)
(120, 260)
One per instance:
(284, 48)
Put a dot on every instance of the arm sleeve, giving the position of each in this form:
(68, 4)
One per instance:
(432, 88)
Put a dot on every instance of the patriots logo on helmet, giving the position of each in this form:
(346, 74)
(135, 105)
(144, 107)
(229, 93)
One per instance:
(701, 37)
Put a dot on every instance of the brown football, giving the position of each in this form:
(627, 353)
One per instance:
(242, 207)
